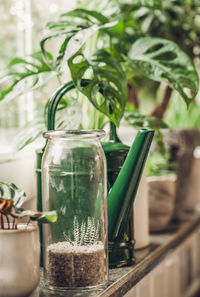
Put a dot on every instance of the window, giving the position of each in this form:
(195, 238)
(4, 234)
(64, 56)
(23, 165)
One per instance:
(21, 25)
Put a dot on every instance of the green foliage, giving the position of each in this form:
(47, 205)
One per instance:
(157, 59)
(11, 200)
(95, 119)
(161, 60)
(104, 70)
(137, 120)
(178, 116)
(109, 50)
(155, 4)
(23, 75)
(158, 164)
(106, 75)
(10, 191)
(73, 30)
(178, 21)
(42, 217)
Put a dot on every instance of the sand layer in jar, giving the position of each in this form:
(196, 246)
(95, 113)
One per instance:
(75, 266)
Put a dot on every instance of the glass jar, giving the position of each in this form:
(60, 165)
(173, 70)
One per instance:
(74, 184)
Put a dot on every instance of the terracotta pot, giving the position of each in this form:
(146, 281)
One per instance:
(181, 144)
(19, 261)
(161, 194)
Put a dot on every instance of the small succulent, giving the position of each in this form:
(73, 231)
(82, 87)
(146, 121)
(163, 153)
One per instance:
(86, 233)
(11, 200)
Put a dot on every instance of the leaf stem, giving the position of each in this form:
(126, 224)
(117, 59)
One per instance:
(113, 133)
(8, 221)
(160, 110)
(13, 224)
(17, 220)
(58, 78)
(28, 223)
(132, 95)
(1, 222)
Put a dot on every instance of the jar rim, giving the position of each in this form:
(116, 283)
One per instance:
(74, 134)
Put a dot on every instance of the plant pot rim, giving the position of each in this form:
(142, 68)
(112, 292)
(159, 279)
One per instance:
(178, 129)
(21, 228)
(170, 177)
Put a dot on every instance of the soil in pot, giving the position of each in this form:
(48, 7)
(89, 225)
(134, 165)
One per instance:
(74, 266)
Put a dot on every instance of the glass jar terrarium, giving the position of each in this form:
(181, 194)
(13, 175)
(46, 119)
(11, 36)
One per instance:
(74, 184)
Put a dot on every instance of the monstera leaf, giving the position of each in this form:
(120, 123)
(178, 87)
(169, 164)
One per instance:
(71, 32)
(24, 74)
(90, 16)
(106, 76)
(163, 60)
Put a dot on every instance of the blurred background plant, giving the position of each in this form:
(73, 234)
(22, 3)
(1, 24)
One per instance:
(178, 21)
(122, 54)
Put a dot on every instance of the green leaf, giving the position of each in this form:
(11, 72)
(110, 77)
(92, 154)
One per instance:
(162, 60)
(106, 76)
(178, 116)
(139, 120)
(60, 38)
(43, 217)
(47, 217)
(10, 190)
(118, 29)
(23, 75)
(70, 40)
(87, 15)
(80, 38)
(29, 133)
(155, 4)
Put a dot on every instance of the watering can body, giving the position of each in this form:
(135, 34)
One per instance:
(124, 169)
(120, 253)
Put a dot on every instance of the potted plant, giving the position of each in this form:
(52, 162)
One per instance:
(19, 243)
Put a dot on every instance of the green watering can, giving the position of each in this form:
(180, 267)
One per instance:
(124, 170)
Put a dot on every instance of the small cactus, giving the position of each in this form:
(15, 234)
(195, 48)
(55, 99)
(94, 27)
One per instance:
(86, 233)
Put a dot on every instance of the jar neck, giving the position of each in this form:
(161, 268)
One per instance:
(74, 135)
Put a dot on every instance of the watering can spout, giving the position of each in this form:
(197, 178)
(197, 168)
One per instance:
(122, 194)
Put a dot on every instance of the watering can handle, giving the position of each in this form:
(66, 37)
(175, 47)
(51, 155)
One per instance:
(54, 101)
